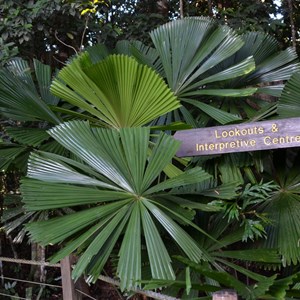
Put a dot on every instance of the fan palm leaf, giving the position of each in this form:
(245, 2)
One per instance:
(117, 90)
(19, 98)
(222, 67)
(283, 209)
(143, 54)
(288, 104)
(203, 45)
(273, 67)
(117, 187)
(25, 96)
(210, 276)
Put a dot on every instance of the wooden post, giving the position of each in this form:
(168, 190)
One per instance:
(68, 287)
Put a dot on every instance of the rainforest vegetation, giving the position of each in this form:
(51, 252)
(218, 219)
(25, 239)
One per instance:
(91, 95)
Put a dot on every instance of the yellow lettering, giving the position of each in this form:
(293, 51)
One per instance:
(224, 134)
(217, 135)
(260, 130)
(267, 140)
(244, 131)
(200, 147)
(231, 133)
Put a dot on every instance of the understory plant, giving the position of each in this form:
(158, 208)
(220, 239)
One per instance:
(103, 180)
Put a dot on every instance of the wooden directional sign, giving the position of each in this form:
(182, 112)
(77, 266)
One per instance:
(254, 136)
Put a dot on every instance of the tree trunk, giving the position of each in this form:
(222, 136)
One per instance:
(293, 28)
(210, 11)
(181, 4)
(38, 254)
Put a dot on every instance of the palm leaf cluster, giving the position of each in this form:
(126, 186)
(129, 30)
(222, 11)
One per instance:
(25, 102)
(121, 190)
(20, 98)
(117, 178)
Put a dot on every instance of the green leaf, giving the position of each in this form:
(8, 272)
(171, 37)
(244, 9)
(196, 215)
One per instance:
(219, 115)
(189, 177)
(106, 183)
(75, 243)
(281, 287)
(160, 261)
(8, 153)
(39, 168)
(129, 267)
(44, 79)
(241, 68)
(190, 204)
(28, 136)
(117, 90)
(60, 228)
(256, 255)
(106, 239)
(279, 66)
(19, 97)
(142, 53)
(210, 189)
(187, 244)
(97, 52)
(221, 277)
(68, 195)
(288, 104)
(221, 92)
(284, 211)
(185, 62)
(188, 280)
(261, 286)
(162, 153)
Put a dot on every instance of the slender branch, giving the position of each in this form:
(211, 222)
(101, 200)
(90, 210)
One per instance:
(61, 62)
(84, 31)
(181, 9)
(210, 11)
(67, 45)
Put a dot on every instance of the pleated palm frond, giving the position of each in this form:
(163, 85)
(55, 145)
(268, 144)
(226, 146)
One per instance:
(283, 209)
(120, 198)
(14, 217)
(27, 136)
(288, 104)
(14, 154)
(117, 90)
(217, 273)
(142, 53)
(273, 68)
(186, 66)
(220, 66)
(273, 65)
(246, 291)
(20, 99)
(203, 45)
